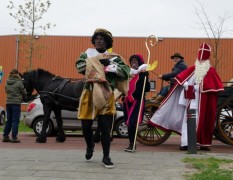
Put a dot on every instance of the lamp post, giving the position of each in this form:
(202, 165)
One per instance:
(17, 53)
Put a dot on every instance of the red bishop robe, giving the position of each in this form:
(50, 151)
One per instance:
(170, 114)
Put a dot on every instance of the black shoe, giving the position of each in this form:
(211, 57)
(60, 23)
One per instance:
(6, 139)
(107, 162)
(130, 148)
(183, 148)
(205, 148)
(15, 140)
(89, 153)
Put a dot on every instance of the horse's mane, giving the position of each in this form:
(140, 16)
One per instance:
(43, 72)
(39, 72)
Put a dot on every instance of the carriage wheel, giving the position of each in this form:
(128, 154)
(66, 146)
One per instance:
(225, 120)
(217, 134)
(148, 134)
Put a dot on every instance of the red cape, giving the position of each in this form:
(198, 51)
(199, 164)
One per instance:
(169, 115)
(210, 83)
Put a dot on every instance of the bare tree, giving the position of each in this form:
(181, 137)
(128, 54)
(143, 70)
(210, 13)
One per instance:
(214, 31)
(28, 16)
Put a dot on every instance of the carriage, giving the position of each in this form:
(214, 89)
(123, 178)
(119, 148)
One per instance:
(152, 136)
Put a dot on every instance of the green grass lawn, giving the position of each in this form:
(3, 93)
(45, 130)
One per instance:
(210, 168)
(22, 128)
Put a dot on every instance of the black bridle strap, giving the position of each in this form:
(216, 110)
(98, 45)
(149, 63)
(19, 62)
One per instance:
(58, 94)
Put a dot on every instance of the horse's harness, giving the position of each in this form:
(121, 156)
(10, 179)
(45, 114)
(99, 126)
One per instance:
(52, 90)
(59, 88)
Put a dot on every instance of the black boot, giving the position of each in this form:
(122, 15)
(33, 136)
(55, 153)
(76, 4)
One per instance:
(130, 148)
(88, 135)
(15, 140)
(131, 135)
(89, 153)
(105, 125)
(106, 161)
(6, 139)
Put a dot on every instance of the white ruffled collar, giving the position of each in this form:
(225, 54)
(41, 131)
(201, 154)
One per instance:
(91, 52)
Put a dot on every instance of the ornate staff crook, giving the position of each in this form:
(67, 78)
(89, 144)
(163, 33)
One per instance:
(153, 41)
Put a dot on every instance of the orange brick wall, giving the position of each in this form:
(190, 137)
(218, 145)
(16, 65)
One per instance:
(61, 52)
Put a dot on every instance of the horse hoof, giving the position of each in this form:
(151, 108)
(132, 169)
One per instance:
(60, 139)
(41, 140)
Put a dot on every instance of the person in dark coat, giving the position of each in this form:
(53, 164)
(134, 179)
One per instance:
(132, 101)
(178, 68)
(15, 94)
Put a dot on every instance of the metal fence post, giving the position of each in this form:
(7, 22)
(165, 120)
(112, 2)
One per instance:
(192, 137)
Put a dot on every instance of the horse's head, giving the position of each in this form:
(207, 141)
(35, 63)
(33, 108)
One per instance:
(28, 82)
(36, 79)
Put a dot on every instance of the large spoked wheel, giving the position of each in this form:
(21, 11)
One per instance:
(225, 120)
(217, 134)
(148, 134)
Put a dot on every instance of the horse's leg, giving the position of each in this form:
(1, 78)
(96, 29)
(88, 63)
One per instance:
(61, 137)
(42, 138)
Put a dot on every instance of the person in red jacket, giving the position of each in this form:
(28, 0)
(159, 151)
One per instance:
(203, 79)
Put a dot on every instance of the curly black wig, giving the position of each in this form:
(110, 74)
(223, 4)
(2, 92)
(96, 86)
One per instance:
(138, 57)
(108, 39)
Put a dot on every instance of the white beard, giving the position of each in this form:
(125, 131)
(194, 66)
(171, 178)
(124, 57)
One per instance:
(201, 69)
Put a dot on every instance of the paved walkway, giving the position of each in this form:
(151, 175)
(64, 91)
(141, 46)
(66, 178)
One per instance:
(57, 161)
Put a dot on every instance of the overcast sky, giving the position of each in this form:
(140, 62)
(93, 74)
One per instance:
(140, 18)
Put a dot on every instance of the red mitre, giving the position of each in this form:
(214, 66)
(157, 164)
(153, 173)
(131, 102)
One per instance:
(204, 52)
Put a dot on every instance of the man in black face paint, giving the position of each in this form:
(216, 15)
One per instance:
(103, 71)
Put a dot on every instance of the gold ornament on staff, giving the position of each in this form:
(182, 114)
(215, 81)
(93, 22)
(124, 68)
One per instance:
(153, 41)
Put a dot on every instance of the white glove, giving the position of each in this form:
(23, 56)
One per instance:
(133, 71)
(185, 85)
(196, 87)
(142, 67)
(111, 68)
